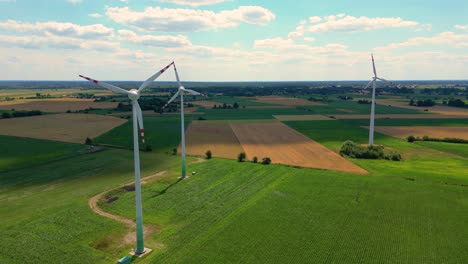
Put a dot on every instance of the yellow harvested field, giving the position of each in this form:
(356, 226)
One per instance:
(55, 105)
(420, 131)
(401, 116)
(285, 145)
(60, 127)
(218, 137)
(301, 117)
(285, 101)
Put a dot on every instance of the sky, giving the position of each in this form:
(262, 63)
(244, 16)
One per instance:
(234, 40)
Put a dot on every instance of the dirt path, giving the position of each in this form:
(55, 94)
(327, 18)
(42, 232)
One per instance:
(130, 237)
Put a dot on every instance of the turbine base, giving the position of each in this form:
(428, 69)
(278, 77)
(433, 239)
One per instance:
(145, 252)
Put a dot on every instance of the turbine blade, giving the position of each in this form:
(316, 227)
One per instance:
(152, 78)
(177, 75)
(373, 65)
(140, 121)
(369, 84)
(106, 85)
(192, 92)
(172, 99)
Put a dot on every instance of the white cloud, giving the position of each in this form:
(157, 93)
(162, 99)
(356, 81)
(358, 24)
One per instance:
(314, 19)
(192, 2)
(96, 31)
(54, 42)
(95, 15)
(154, 41)
(450, 39)
(299, 31)
(188, 20)
(343, 23)
(74, 1)
(461, 27)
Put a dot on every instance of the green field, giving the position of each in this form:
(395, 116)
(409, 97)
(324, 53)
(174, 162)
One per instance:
(413, 211)
(44, 210)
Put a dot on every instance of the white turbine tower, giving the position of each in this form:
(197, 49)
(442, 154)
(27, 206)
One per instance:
(133, 95)
(181, 92)
(373, 82)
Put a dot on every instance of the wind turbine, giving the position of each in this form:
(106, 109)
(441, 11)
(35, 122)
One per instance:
(181, 92)
(133, 95)
(373, 82)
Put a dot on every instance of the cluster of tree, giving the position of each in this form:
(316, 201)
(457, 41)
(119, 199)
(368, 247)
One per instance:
(149, 103)
(227, 106)
(445, 91)
(41, 96)
(242, 157)
(323, 99)
(14, 113)
(425, 102)
(456, 103)
(427, 138)
(364, 101)
(85, 95)
(345, 97)
(352, 150)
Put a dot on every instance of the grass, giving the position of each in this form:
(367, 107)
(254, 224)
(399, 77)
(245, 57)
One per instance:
(23, 152)
(43, 207)
(454, 148)
(242, 212)
(242, 101)
(161, 132)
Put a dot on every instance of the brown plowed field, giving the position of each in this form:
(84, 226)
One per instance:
(206, 104)
(55, 105)
(60, 127)
(285, 145)
(285, 101)
(420, 131)
(217, 137)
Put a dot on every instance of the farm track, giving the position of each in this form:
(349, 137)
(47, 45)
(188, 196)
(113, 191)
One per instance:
(130, 236)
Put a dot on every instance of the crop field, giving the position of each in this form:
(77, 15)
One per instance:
(286, 101)
(60, 127)
(217, 137)
(440, 109)
(162, 133)
(286, 146)
(55, 105)
(301, 117)
(312, 206)
(420, 131)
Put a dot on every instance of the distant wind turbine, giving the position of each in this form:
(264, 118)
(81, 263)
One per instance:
(181, 92)
(134, 95)
(373, 82)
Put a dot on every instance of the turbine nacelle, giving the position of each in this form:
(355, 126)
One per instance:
(133, 94)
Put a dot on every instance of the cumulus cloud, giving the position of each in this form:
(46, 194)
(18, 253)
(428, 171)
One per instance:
(299, 31)
(95, 15)
(343, 23)
(154, 41)
(74, 1)
(461, 27)
(450, 39)
(192, 2)
(54, 42)
(96, 31)
(188, 20)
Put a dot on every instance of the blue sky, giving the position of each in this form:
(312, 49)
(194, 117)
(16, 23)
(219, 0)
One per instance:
(233, 40)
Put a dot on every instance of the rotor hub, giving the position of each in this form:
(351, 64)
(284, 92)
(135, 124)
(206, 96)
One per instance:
(134, 94)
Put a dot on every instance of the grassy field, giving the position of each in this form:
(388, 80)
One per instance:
(24, 152)
(43, 207)
(242, 212)
(161, 132)
(413, 211)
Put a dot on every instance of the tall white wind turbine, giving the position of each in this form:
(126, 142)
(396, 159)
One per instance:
(134, 95)
(181, 92)
(373, 82)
